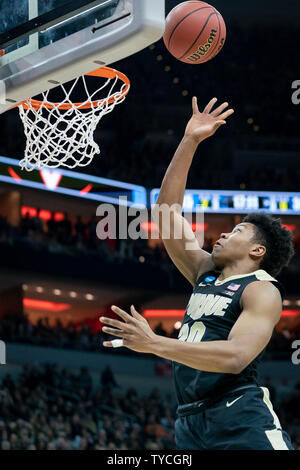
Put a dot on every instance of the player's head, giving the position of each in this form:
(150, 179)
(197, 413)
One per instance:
(259, 239)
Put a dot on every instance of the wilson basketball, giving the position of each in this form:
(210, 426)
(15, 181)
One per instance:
(195, 32)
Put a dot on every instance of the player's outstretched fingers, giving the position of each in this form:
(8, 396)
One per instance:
(124, 315)
(137, 315)
(195, 105)
(226, 114)
(219, 110)
(210, 105)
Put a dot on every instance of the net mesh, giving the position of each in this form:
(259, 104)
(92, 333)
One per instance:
(62, 134)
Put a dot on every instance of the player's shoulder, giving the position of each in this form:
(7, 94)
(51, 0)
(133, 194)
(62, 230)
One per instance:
(264, 284)
(262, 275)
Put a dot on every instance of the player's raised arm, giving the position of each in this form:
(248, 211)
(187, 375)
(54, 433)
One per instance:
(168, 209)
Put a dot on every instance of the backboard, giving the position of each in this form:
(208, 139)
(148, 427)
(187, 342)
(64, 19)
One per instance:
(48, 42)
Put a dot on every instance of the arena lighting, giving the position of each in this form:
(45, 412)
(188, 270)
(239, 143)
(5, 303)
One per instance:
(31, 211)
(290, 227)
(58, 216)
(290, 313)
(152, 227)
(87, 189)
(13, 174)
(43, 214)
(180, 313)
(45, 305)
(149, 227)
(75, 184)
(51, 178)
(89, 297)
(163, 313)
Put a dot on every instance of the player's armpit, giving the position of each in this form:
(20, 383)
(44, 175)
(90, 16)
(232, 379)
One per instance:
(262, 307)
(181, 242)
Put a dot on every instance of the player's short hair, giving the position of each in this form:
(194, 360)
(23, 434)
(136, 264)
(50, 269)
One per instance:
(277, 240)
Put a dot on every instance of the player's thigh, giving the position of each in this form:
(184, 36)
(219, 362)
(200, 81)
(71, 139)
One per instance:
(185, 436)
(251, 438)
(246, 421)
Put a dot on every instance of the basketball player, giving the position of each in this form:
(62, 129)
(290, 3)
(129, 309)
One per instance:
(233, 310)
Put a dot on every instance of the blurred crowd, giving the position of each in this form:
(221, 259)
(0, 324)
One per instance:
(71, 239)
(271, 178)
(82, 337)
(78, 238)
(67, 237)
(50, 408)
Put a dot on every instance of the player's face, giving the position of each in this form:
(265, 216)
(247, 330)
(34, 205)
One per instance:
(234, 246)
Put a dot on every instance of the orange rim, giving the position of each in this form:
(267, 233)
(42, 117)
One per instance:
(103, 72)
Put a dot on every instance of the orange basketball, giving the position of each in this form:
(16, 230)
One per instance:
(195, 32)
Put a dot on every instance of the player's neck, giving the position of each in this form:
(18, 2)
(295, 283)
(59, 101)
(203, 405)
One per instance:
(235, 270)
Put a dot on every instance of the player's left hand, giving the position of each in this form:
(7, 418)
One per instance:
(134, 330)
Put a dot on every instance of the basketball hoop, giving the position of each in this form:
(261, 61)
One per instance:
(62, 134)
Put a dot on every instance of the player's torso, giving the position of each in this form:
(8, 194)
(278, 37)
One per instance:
(212, 311)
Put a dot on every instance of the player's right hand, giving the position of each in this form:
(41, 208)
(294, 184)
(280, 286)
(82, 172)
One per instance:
(204, 125)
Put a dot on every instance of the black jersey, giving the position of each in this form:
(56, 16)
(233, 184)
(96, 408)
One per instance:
(213, 309)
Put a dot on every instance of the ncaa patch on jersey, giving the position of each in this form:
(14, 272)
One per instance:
(234, 287)
(209, 279)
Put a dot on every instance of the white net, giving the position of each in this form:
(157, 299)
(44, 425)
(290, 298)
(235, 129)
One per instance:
(62, 134)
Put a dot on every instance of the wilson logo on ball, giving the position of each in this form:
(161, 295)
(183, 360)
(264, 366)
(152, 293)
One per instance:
(203, 49)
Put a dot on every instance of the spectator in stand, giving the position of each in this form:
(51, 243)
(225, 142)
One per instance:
(37, 224)
(80, 228)
(107, 378)
(52, 226)
(26, 225)
(84, 380)
(65, 229)
(92, 239)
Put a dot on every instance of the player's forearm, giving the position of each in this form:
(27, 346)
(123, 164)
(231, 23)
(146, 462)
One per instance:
(209, 356)
(174, 183)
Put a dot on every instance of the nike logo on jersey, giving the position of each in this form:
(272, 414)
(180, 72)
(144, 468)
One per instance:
(231, 403)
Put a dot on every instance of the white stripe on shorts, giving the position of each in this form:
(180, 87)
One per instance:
(274, 435)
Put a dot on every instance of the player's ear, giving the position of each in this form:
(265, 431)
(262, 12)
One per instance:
(257, 251)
